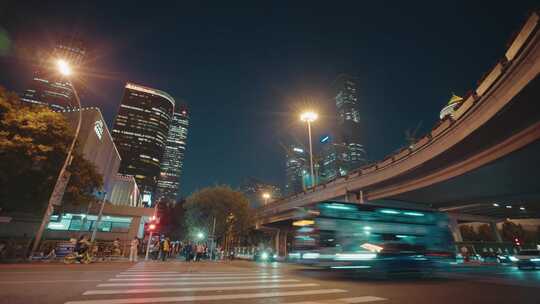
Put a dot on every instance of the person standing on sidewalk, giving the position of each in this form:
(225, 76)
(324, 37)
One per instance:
(134, 250)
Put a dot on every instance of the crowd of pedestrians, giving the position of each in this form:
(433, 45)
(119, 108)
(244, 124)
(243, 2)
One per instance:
(162, 248)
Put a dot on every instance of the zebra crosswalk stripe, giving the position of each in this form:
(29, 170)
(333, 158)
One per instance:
(188, 289)
(195, 283)
(193, 278)
(211, 297)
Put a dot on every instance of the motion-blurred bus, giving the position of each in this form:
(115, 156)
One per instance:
(372, 237)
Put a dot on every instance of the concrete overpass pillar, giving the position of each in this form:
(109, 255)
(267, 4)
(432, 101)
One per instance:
(276, 241)
(498, 237)
(454, 228)
(280, 242)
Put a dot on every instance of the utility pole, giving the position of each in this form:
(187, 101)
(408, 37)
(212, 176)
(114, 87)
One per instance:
(100, 215)
(213, 240)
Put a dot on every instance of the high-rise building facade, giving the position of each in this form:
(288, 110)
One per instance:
(172, 162)
(47, 86)
(96, 144)
(140, 133)
(348, 127)
(296, 169)
(333, 161)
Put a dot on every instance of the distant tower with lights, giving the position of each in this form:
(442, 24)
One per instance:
(347, 137)
(296, 169)
(172, 162)
(47, 87)
(140, 133)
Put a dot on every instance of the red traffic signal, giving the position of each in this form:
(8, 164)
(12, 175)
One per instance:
(517, 241)
(150, 226)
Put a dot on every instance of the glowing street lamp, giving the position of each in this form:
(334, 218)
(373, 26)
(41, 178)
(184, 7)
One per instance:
(63, 67)
(309, 117)
(266, 197)
(65, 70)
(200, 235)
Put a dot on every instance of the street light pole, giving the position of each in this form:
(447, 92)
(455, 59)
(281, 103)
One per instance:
(151, 234)
(311, 154)
(60, 183)
(100, 215)
(310, 117)
(266, 196)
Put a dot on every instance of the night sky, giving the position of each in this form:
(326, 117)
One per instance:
(245, 70)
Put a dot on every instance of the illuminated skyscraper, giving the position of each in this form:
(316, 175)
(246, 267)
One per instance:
(172, 162)
(140, 133)
(296, 169)
(348, 127)
(48, 87)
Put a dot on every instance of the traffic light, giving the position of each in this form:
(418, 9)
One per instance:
(517, 241)
(151, 225)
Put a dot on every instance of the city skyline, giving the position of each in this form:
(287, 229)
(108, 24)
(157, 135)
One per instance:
(394, 100)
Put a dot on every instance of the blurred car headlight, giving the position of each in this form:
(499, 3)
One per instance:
(513, 258)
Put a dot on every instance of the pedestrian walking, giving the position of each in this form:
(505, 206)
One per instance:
(200, 251)
(134, 250)
(188, 250)
(166, 247)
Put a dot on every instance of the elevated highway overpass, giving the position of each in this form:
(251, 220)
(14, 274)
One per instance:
(487, 152)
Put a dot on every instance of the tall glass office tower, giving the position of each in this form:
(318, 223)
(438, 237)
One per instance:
(172, 163)
(348, 127)
(296, 169)
(140, 133)
(47, 86)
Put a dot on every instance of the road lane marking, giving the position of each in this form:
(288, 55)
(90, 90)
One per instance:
(193, 283)
(205, 278)
(47, 281)
(211, 297)
(184, 289)
(355, 300)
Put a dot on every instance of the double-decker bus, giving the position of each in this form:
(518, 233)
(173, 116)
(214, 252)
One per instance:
(375, 236)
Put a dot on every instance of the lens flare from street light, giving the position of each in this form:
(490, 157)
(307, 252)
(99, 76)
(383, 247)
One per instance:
(266, 195)
(309, 116)
(63, 67)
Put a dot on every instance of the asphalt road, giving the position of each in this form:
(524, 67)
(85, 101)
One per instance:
(248, 282)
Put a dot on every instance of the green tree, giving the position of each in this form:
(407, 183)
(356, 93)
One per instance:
(171, 219)
(33, 146)
(468, 233)
(485, 233)
(230, 209)
(511, 230)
